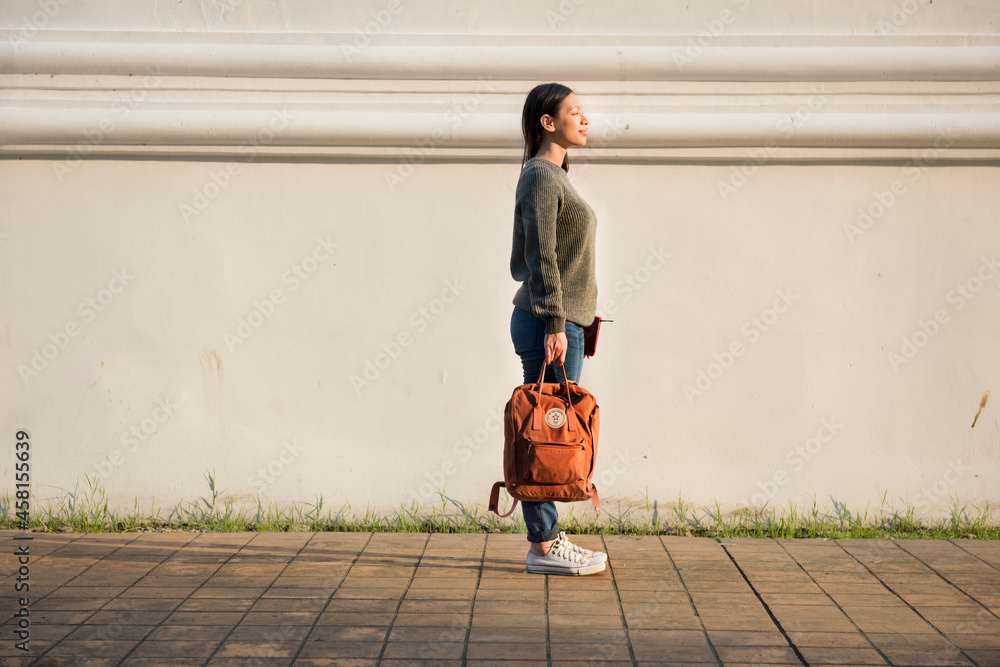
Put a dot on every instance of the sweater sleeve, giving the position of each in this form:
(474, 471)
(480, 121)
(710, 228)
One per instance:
(540, 200)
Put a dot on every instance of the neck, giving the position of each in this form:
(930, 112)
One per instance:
(552, 152)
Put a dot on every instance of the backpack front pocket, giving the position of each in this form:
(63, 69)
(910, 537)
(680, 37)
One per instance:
(555, 463)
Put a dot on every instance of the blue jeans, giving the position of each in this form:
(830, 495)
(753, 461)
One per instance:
(527, 332)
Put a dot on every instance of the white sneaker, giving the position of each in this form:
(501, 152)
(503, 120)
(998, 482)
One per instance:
(562, 560)
(596, 556)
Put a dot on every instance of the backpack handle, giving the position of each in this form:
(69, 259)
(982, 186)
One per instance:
(536, 413)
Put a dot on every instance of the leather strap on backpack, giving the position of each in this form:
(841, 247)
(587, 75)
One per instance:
(495, 500)
(594, 498)
(536, 412)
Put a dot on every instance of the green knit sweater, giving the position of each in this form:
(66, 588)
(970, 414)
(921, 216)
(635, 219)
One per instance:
(553, 253)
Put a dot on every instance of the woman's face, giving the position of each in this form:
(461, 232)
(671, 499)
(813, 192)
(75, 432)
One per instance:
(570, 123)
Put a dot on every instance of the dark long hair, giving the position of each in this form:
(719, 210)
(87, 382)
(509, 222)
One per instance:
(543, 99)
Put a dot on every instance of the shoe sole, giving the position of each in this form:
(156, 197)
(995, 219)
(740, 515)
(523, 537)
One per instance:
(583, 570)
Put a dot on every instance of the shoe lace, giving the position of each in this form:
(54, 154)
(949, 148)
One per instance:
(574, 547)
(565, 551)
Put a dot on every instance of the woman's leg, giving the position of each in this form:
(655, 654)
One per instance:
(574, 352)
(528, 335)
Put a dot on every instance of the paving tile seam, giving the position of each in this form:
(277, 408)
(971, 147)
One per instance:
(767, 608)
(884, 582)
(392, 622)
(329, 599)
(472, 607)
(36, 560)
(621, 609)
(704, 630)
(548, 631)
(936, 571)
(889, 588)
(967, 543)
(246, 613)
(838, 605)
(974, 555)
(96, 611)
(177, 550)
(982, 608)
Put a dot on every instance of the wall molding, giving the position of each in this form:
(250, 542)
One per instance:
(506, 57)
(98, 93)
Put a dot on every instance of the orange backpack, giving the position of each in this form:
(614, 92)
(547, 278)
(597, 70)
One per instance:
(550, 444)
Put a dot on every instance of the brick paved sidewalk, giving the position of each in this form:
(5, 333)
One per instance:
(362, 599)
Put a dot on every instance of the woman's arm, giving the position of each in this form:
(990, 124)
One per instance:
(539, 200)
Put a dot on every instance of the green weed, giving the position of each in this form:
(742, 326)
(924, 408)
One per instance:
(88, 510)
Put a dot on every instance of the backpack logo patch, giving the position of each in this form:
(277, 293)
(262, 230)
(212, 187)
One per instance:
(555, 417)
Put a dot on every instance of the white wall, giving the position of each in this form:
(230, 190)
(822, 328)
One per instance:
(249, 141)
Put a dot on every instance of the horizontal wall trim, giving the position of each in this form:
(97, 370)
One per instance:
(94, 93)
(727, 155)
(98, 131)
(582, 58)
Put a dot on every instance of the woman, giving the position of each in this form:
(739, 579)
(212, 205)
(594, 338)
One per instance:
(553, 258)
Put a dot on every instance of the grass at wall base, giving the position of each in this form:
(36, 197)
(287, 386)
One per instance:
(88, 511)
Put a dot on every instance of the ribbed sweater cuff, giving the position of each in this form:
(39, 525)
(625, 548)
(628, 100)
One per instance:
(555, 325)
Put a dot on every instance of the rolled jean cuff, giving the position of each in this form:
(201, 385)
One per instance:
(544, 536)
